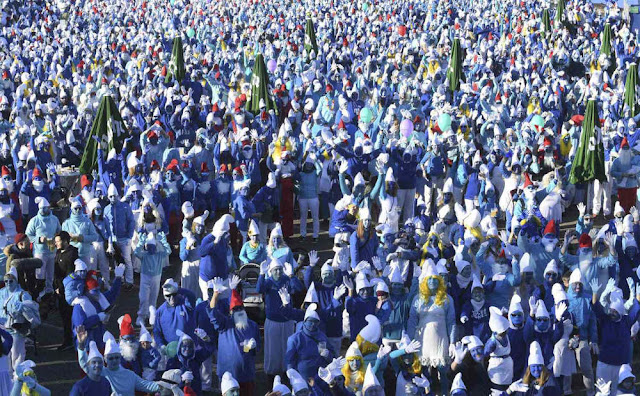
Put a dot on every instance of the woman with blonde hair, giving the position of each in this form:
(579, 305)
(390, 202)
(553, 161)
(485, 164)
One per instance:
(432, 322)
(538, 380)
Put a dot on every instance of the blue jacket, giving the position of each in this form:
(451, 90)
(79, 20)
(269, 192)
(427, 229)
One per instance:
(189, 255)
(519, 351)
(79, 224)
(169, 319)
(93, 325)
(546, 340)
(264, 196)
(478, 321)
(269, 289)
(249, 254)
(302, 352)
(42, 226)
(121, 220)
(309, 183)
(151, 264)
(28, 190)
(615, 336)
(231, 356)
(192, 363)
(401, 308)
(244, 210)
(89, 387)
(358, 308)
(585, 318)
(363, 250)
(214, 258)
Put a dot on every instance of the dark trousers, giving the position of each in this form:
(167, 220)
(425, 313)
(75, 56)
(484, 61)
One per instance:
(65, 313)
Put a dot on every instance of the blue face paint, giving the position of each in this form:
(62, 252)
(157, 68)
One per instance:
(536, 370)
(311, 325)
(542, 324)
(433, 283)
(517, 318)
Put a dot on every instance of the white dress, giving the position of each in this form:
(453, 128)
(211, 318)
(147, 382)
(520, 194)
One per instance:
(564, 362)
(5, 376)
(500, 367)
(432, 332)
(389, 212)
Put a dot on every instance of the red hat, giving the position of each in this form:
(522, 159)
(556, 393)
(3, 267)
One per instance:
(19, 238)
(90, 78)
(37, 173)
(341, 125)
(584, 241)
(329, 88)
(173, 165)
(223, 168)
(91, 282)
(5, 171)
(215, 108)
(624, 143)
(155, 164)
(501, 254)
(527, 181)
(204, 168)
(126, 329)
(151, 134)
(236, 300)
(550, 228)
(239, 170)
(577, 119)
(547, 141)
(84, 181)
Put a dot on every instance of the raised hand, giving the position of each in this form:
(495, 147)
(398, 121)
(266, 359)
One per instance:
(234, 281)
(313, 258)
(413, 347)
(339, 291)
(594, 285)
(285, 297)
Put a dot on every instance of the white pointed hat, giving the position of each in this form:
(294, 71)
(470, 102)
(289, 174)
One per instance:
(296, 380)
(228, 383)
(497, 323)
(94, 352)
(311, 312)
(516, 304)
(353, 350)
(457, 383)
(535, 354)
(253, 228)
(311, 296)
(278, 386)
(576, 276)
(370, 380)
(372, 331)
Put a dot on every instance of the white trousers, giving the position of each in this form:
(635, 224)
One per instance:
(148, 294)
(599, 197)
(125, 248)
(189, 275)
(608, 373)
(18, 350)
(406, 202)
(206, 373)
(100, 261)
(46, 271)
(583, 357)
(313, 205)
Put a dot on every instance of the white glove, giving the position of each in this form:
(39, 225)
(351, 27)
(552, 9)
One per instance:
(313, 258)
(582, 209)
(518, 386)
(604, 388)
(362, 266)
(339, 291)
(594, 348)
(594, 285)
(532, 305)
(288, 270)
(348, 283)
(383, 351)
(344, 166)
(324, 352)
(285, 297)
(464, 319)
(422, 382)
(187, 376)
(201, 333)
(459, 352)
(218, 285)
(251, 344)
(413, 347)
(234, 281)
(119, 271)
(110, 248)
(560, 310)
(376, 262)
(636, 215)
(264, 266)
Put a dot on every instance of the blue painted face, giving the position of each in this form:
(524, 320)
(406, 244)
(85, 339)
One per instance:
(432, 284)
(542, 324)
(517, 318)
(536, 370)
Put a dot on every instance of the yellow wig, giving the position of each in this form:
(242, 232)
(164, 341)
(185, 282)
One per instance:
(353, 379)
(441, 293)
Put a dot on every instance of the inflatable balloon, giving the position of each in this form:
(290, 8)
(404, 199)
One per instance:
(444, 122)
(172, 349)
(366, 115)
(191, 32)
(272, 65)
(406, 128)
(537, 122)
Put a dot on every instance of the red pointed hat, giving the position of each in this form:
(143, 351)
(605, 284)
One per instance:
(527, 181)
(204, 168)
(84, 181)
(550, 228)
(91, 282)
(126, 329)
(585, 241)
(5, 171)
(37, 173)
(624, 143)
(236, 300)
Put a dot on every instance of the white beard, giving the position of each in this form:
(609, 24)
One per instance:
(548, 160)
(241, 320)
(584, 261)
(129, 350)
(549, 246)
(204, 187)
(625, 157)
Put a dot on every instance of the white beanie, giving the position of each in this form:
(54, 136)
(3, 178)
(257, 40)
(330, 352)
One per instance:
(372, 331)
(353, 351)
(112, 346)
(311, 312)
(311, 296)
(551, 267)
(624, 373)
(42, 202)
(358, 179)
(297, 382)
(79, 265)
(187, 209)
(202, 218)
(112, 190)
(541, 311)
(271, 180)
(525, 263)
(370, 380)
(576, 277)
(145, 335)
(278, 386)
(364, 214)
(515, 305)
(94, 352)
(535, 354)
(558, 293)
(253, 228)
(13, 272)
(472, 341)
(448, 186)
(618, 305)
(228, 383)
(497, 323)
(389, 177)
(457, 383)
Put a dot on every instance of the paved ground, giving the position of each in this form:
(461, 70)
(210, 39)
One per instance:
(59, 370)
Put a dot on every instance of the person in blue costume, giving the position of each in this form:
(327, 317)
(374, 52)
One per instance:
(309, 349)
(541, 329)
(359, 303)
(253, 251)
(401, 300)
(42, 229)
(470, 364)
(502, 279)
(94, 384)
(122, 224)
(238, 339)
(278, 328)
(474, 315)
(543, 252)
(172, 316)
(191, 353)
(81, 230)
(516, 336)
(216, 258)
(267, 204)
(363, 242)
(498, 349)
(537, 380)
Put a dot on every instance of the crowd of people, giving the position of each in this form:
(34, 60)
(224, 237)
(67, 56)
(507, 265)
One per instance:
(444, 144)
